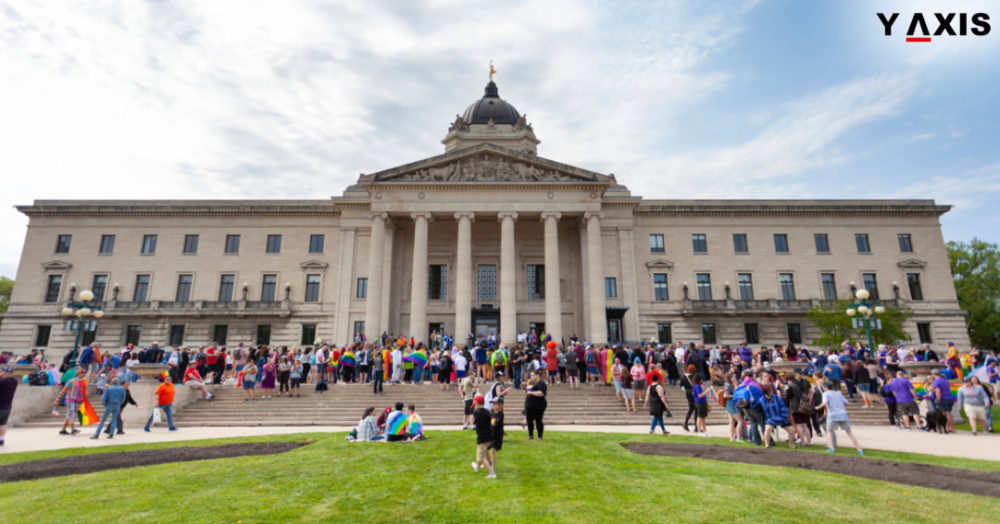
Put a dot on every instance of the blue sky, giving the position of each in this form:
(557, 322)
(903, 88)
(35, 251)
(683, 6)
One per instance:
(680, 99)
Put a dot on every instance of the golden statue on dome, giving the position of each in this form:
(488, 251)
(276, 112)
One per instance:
(493, 71)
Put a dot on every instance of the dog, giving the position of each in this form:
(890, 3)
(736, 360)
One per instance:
(937, 421)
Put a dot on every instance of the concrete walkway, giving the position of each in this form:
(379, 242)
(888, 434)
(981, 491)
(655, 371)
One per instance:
(984, 447)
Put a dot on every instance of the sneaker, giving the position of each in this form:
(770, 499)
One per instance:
(74, 432)
(861, 452)
(475, 467)
(63, 432)
(246, 400)
(491, 476)
(831, 451)
(146, 430)
(94, 437)
(111, 436)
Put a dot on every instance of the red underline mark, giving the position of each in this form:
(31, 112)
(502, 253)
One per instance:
(913, 39)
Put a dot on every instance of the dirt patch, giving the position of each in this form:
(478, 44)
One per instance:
(938, 477)
(55, 467)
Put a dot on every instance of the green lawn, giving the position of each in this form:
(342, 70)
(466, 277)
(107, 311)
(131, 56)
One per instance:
(575, 477)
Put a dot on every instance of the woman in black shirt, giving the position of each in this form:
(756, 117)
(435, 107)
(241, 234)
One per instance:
(535, 404)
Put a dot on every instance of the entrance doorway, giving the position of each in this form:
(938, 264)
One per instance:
(485, 321)
(537, 328)
(616, 332)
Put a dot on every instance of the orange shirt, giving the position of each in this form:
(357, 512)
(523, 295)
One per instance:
(165, 394)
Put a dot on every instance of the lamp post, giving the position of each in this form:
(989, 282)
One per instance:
(85, 307)
(868, 309)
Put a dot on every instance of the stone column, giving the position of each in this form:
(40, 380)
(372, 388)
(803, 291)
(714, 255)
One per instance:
(463, 277)
(418, 288)
(598, 315)
(553, 300)
(373, 302)
(508, 277)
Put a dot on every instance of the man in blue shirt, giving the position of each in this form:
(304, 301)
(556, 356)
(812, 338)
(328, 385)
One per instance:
(112, 399)
(834, 373)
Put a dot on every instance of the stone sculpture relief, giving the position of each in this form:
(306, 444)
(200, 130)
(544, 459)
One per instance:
(486, 170)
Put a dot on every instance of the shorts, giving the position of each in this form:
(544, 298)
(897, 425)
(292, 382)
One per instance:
(592, 370)
(249, 384)
(862, 386)
(908, 408)
(639, 385)
(481, 450)
(4, 414)
(628, 393)
(193, 384)
(459, 373)
(229, 367)
(975, 412)
(618, 386)
(731, 407)
(239, 367)
(71, 409)
(833, 425)
(945, 405)
(496, 444)
(295, 381)
(800, 418)
(468, 407)
(701, 409)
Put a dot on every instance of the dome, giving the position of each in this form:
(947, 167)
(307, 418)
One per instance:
(491, 107)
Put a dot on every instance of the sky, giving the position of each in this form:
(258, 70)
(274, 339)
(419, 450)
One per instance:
(679, 98)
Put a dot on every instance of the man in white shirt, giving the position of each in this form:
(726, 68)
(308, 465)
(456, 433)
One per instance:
(836, 417)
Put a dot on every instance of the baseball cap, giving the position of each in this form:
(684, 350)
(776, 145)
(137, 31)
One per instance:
(499, 373)
(936, 372)
(478, 399)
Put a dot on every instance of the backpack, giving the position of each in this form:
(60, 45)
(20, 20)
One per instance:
(490, 395)
(38, 378)
(720, 397)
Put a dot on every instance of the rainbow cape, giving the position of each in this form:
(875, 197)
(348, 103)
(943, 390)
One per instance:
(396, 425)
(386, 363)
(347, 359)
(414, 426)
(86, 414)
(418, 358)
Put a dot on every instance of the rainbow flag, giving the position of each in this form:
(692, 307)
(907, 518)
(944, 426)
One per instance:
(414, 425)
(923, 389)
(386, 363)
(396, 425)
(86, 414)
(418, 358)
(347, 359)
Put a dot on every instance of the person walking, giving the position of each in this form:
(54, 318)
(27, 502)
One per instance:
(775, 416)
(628, 392)
(8, 386)
(496, 436)
(687, 384)
(118, 423)
(164, 402)
(484, 433)
(903, 391)
(113, 398)
(836, 416)
(73, 394)
(467, 391)
(974, 401)
(656, 401)
(535, 404)
(735, 419)
(941, 397)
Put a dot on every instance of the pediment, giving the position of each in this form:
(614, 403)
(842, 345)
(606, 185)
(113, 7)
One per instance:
(487, 163)
(56, 265)
(912, 263)
(314, 265)
(660, 264)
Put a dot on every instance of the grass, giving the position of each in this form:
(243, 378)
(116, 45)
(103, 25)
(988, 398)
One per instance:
(572, 477)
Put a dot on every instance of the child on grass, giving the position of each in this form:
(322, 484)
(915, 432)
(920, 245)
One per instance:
(496, 440)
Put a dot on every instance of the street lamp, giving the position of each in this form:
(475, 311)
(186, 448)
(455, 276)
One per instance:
(86, 307)
(866, 310)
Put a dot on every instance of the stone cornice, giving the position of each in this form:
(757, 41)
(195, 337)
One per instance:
(790, 207)
(200, 208)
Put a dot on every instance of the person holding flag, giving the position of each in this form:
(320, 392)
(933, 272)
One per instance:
(74, 393)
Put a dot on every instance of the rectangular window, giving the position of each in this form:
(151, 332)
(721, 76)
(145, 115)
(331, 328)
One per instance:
(42, 333)
(269, 287)
(745, 283)
(871, 284)
(190, 244)
(437, 281)
(107, 244)
(141, 291)
(751, 333)
(232, 244)
(656, 243)
(316, 243)
(861, 240)
(704, 286)
(664, 334)
(52, 290)
(220, 333)
(99, 286)
(795, 333)
(699, 242)
(148, 244)
(362, 288)
(63, 242)
(924, 332)
(536, 281)
(611, 287)
(184, 287)
(708, 334)
(905, 243)
(264, 335)
(660, 287)
(132, 334)
(486, 284)
(913, 279)
(308, 335)
(359, 328)
(787, 283)
(176, 335)
(740, 243)
(829, 286)
(226, 285)
(89, 333)
(780, 243)
(312, 288)
(822, 243)
(274, 243)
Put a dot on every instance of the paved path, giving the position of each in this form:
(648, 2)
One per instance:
(985, 447)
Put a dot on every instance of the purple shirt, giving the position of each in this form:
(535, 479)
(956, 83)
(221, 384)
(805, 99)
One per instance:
(942, 385)
(902, 390)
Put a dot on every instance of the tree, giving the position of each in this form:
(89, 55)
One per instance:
(975, 268)
(6, 286)
(835, 326)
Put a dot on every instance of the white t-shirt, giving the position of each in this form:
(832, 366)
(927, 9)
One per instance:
(460, 362)
(836, 406)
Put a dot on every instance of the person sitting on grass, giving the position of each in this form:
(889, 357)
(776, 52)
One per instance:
(395, 424)
(775, 416)
(836, 416)
(496, 436)
(414, 424)
(368, 429)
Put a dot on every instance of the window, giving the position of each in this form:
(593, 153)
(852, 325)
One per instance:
(487, 282)
(699, 243)
(148, 244)
(141, 291)
(190, 244)
(913, 279)
(274, 243)
(924, 332)
(870, 284)
(829, 284)
(751, 333)
(362, 288)
(663, 333)
(232, 244)
(708, 334)
(704, 286)
(740, 243)
(42, 333)
(177, 335)
(794, 333)
(745, 283)
(107, 244)
(89, 333)
(132, 334)
(226, 285)
(611, 287)
(780, 243)
(656, 243)
(312, 288)
(316, 243)
(63, 242)
(359, 328)
(536, 281)
(184, 287)
(787, 283)
(861, 240)
(437, 282)
(264, 335)
(99, 286)
(269, 287)
(660, 287)
(220, 332)
(822, 243)
(308, 335)
(52, 290)
(905, 243)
